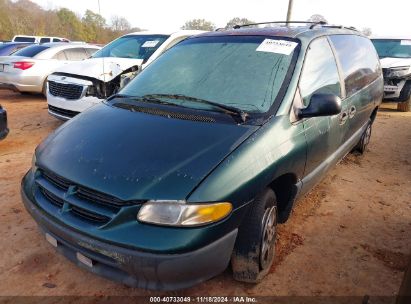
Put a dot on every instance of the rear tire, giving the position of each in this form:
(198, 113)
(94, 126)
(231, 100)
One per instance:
(404, 101)
(365, 139)
(254, 250)
(44, 89)
(404, 106)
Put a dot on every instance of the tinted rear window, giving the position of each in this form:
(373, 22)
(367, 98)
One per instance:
(24, 39)
(359, 61)
(31, 51)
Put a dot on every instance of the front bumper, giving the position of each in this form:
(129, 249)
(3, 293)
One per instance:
(133, 267)
(66, 109)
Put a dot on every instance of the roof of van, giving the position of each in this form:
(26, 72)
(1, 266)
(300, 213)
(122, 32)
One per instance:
(287, 31)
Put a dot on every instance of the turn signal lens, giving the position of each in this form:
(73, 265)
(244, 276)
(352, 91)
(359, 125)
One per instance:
(178, 213)
(23, 65)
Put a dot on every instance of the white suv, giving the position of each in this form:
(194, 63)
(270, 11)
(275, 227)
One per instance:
(78, 86)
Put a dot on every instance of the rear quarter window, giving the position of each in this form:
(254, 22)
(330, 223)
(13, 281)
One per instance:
(359, 61)
(31, 50)
(90, 51)
(76, 54)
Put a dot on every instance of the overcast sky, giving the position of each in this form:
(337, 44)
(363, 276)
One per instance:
(383, 17)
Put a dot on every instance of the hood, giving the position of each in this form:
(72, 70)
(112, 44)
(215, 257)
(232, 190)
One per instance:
(137, 156)
(390, 62)
(104, 69)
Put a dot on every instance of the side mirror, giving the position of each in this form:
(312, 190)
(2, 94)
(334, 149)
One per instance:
(321, 105)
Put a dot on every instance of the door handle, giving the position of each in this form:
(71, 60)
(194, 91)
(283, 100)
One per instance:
(343, 118)
(352, 112)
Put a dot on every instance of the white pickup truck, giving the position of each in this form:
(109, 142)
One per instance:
(78, 86)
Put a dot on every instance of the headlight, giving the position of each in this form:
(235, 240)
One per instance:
(179, 213)
(399, 71)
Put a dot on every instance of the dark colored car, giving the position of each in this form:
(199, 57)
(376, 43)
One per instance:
(199, 157)
(9, 48)
(3, 123)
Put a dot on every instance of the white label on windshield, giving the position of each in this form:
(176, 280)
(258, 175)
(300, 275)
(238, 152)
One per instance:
(405, 42)
(150, 43)
(277, 46)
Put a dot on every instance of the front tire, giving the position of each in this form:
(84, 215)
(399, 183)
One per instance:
(254, 250)
(365, 139)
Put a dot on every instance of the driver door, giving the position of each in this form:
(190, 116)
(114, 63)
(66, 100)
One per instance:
(324, 135)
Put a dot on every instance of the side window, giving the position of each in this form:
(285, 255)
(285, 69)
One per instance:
(320, 73)
(90, 51)
(44, 40)
(60, 56)
(56, 40)
(359, 61)
(76, 54)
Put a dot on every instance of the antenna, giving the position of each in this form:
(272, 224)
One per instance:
(104, 73)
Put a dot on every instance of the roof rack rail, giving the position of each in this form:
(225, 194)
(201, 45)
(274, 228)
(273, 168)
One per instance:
(341, 27)
(313, 23)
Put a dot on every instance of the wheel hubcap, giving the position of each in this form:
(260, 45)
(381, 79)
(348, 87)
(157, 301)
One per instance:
(268, 237)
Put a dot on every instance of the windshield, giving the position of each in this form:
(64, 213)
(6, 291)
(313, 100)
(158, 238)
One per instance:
(396, 48)
(132, 46)
(31, 50)
(236, 71)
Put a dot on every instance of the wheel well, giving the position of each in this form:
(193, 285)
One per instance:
(285, 189)
(374, 114)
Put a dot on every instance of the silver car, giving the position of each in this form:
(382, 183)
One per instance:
(27, 69)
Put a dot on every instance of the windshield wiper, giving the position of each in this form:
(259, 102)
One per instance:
(146, 98)
(226, 109)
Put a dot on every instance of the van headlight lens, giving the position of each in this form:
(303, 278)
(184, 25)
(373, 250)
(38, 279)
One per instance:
(179, 213)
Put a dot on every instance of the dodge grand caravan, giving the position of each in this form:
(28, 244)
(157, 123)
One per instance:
(194, 163)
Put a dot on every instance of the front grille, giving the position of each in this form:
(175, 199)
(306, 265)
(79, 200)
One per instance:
(63, 112)
(65, 90)
(91, 206)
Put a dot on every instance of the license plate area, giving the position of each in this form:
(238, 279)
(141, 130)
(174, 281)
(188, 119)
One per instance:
(85, 260)
(388, 88)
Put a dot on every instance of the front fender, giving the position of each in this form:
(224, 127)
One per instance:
(277, 148)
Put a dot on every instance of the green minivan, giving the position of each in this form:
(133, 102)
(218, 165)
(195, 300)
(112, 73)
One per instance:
(193, 164)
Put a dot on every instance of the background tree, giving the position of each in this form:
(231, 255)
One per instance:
(198, 24)
(237, 21)
(120, 24)
(69, 24)
(317, 18)
(93, 25)
(366, 31)
(24, 17)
